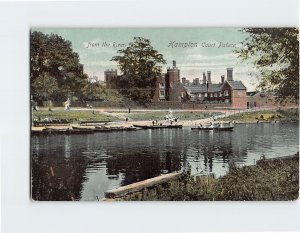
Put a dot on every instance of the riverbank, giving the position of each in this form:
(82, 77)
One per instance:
(264, 116)
(268, 180)
(145, 117)
(72, 116)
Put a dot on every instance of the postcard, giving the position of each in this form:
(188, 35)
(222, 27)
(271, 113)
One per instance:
(164, 114)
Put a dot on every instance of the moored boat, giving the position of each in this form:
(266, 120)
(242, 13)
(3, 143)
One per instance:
(158, 126)
(113, 128)
(202, 128)
(225, 128)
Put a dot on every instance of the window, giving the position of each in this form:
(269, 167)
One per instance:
(205, 94)
(216, 94)
(161, 85)
(162, 93)
(226, 93)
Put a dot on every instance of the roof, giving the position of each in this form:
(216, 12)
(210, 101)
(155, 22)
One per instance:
(236, 85)
(202, 88)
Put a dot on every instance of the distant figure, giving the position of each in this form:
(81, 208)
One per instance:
(153, 122)
(156, 122)
(67, 104)
(205, 106)
(93, 111)
(126, 119)
(129, 110)
(50, 109)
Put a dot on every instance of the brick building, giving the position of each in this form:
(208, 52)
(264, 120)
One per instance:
(168, 86)
(226, 91)
(263, 99)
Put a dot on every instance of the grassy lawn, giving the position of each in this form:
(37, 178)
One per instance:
(72, 115)
(269, 180)
(267, 115)
(157, 115)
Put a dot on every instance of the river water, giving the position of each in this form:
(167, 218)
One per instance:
(83, 167)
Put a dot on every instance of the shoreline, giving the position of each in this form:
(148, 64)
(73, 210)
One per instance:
(279, 176)
(186, 118)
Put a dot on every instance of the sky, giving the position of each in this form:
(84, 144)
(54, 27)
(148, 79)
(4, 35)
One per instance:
(195, 50)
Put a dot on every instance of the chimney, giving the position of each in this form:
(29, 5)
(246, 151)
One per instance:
(222, 79)
(229, 74)
(208, 77)
(183, 80)
(204, 78)
(174, 64)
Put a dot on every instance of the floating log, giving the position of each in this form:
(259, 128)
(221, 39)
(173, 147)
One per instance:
(138, 186)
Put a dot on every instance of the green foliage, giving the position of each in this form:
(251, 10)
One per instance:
(93, 91)
(52, 55)
(45, 86)
(269, 180)
(268, 115)
(140, 65)
(275, 53)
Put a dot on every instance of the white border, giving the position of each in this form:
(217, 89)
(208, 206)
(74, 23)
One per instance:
(19, 214)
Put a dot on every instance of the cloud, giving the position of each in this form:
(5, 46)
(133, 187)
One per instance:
(203, 58)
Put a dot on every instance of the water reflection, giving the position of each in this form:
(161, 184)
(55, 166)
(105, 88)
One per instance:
(83, 167)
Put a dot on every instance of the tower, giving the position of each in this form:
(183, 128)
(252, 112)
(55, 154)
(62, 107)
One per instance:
(173, 83)
(110, 77)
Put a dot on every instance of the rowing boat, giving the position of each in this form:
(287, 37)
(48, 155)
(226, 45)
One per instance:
(158, 126)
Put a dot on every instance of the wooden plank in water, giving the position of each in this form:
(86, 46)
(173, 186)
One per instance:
(138, 186)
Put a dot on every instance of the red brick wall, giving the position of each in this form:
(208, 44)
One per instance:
(266, 100)
(239, 99)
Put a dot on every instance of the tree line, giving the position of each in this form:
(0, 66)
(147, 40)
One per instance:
(56, 72)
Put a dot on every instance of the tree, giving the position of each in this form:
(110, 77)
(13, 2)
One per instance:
(275, 53)
(94, 91)
(140, 66)
(45, 87)
(53, 55)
